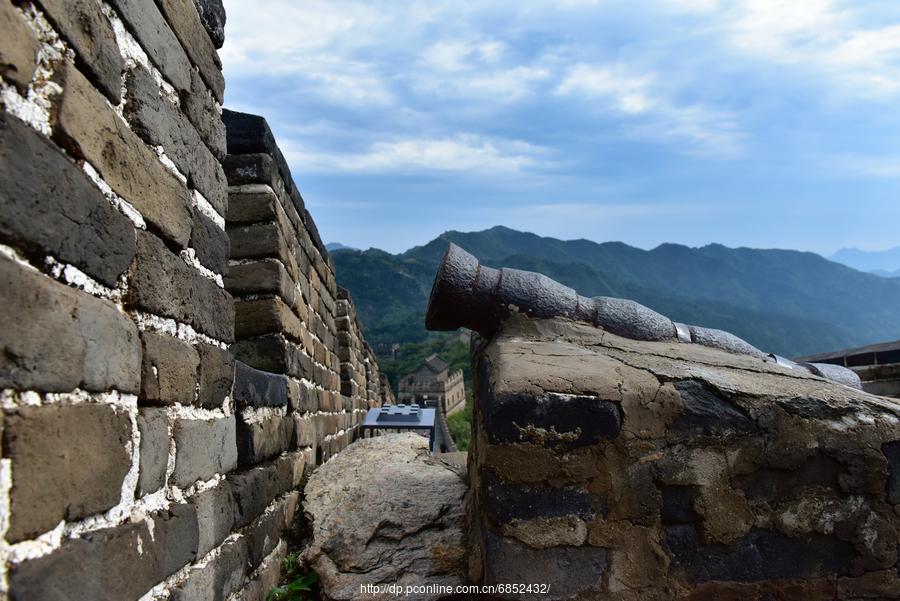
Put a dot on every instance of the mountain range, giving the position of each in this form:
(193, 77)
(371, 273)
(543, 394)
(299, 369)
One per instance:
(885, 263)
(782, 301)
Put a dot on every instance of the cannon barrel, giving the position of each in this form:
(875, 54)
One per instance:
(471, 295)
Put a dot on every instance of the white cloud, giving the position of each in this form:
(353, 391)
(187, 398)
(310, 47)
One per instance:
(653, 115)
(824, 36)
(463, 153)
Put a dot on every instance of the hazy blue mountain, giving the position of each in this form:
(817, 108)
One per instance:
(885, 262)
(787, 302)
(886, 274)
(333, 246)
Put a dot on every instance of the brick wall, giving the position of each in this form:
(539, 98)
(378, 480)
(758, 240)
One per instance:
(154, 431)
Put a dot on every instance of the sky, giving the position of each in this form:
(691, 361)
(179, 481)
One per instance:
(761, 123)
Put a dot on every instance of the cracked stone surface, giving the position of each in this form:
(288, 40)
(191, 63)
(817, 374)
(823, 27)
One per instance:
(386, 511)
(626, 470)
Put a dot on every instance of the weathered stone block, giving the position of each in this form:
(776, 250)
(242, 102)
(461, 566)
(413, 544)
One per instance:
(217, 373)
(760, 555)
(149, 27)
(161, 282)
(216, 580)
(215, 516)
(560, 420)
(169, 373)
(256, 388)
(260, 277)
(153, 425)
(263, 438)
(263, 535)
(89, 33)
(705, 414)
(68, 462)
(266, 316)
(200, 107)
(305, 430)
(203, 449)
(252, 204)
(276, 354)
(175, 538)
(212, 14)
(48, 206)
(213, 308)
(161, 123)
(55, 338)
(90, 129)
(185, 21)
(262, 241)
(511, 561)
(254, 489)
(211, 243)
(18, 47)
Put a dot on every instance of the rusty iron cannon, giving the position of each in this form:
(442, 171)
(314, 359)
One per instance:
(471, 295)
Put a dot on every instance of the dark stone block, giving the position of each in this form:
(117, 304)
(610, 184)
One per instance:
(154, 427)
(149, 27)
(705, 414)
(274, 353)
(678, 504)
(161, 283)
(256, 388)
(203, 449)
(572, 572)
(263, 439)
(188, 27)
(49, 206)
(215, 517)
(169, 372)
(891, 452)
(263, 535)
(815, 409)
(211, 243)
(503, 503)
(200, 108)
(774, 485)
(175, 538)
(212, 14)
(759, 555)
(556, 420)
(217, 373)
(68, 462)
(90, 34)
(55, 338)
(217, 579)
(254, 489)
(213, 308)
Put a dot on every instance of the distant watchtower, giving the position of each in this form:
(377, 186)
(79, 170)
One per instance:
(431, 384)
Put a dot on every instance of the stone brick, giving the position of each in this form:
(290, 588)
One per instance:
(265, 579)
(150, 29)
(160, 123)
(760, 555)
(18, 47)
(68, 462)
(185, 21)
(305, 431)
(276, 354)
(216, 580)
(212, 14)
(217, 372)
(213, 308)
(90, 34)
(256, 388)
(210, 242)
(200, 107)
(263, 535)
(262, 241)
(169, 373)
(90, 129)
(254, 489)
(263, 439)
(252, 204)
(48, 206)
(565, 421)
(303, 398)
(508, 561)
(104, 565)
(260, 277)
(502, 503)
(55, 338)
(266, 316)
(161, 282)
(253, 168)
(203, 449)
(215, 517)
(175, 538)
(705, 414)
(153, 425)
